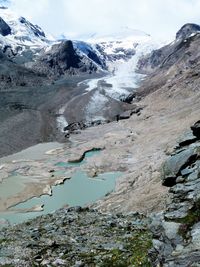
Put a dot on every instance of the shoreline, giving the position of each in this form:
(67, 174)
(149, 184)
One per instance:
(51, 175)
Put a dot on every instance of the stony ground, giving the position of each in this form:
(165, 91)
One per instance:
(77, 237)
(23, 109)
(139, 146)
(176, 231)
(86, 237)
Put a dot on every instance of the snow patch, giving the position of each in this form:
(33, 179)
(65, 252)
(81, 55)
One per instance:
(22, 34)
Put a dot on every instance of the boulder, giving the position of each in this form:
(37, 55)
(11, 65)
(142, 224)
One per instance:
(175, 164)
(187, 139)
(125, 115)
(196, 129)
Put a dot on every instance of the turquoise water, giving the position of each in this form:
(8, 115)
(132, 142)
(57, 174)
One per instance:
(77, 164)
(78, 191)
(12, 186)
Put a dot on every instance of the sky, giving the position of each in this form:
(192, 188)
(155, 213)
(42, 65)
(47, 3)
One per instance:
(75, 18)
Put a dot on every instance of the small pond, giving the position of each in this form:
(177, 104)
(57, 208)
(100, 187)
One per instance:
(80, 190)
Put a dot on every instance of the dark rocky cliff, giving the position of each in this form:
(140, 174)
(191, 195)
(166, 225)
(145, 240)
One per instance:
(4, 28)
(176, 231)
(63, 59)
(185, 47)
(187, 30)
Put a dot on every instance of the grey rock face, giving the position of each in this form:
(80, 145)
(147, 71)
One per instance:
(175, 164)
(187, 30)
(4, 28)
(187, 139)
(184, 50)
(63, 59)
(177, 230)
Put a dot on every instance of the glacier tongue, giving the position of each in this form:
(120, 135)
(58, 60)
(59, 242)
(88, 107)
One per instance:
(116, 56)
(124, 77)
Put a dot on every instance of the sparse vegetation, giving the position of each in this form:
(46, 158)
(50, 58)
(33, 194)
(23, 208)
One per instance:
(192, 217)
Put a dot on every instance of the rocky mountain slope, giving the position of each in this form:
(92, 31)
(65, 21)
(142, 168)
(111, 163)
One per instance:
(180, 50)
(33, 63)
(142, 147)
(27, 44)
(176, 231)
(78, 237)
(86, 237)
(174, 64)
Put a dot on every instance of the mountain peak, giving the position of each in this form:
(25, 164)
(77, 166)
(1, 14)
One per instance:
(17, 30)
(187, 30)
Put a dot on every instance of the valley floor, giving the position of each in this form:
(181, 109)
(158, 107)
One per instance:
(28, 116)
(137, 147)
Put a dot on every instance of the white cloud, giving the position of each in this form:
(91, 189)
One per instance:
(77, 17)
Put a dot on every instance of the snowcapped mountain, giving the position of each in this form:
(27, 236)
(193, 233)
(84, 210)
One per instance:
(27, 44)
(111, 52)
(123, 76)
(116, 54)
(120, 53)
(29, 59)
(20, 32)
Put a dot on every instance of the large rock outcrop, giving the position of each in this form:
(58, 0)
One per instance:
(63, 59)
(176, 231)
(187, 30)
(185, 48)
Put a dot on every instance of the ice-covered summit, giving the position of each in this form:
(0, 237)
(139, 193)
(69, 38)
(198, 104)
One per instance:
(16, 30)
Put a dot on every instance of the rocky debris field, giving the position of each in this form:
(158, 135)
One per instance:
(77, 237)
(176, 231)
(136, 144)
(86, 237)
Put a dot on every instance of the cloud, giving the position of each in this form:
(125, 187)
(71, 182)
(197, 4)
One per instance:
(76, 17)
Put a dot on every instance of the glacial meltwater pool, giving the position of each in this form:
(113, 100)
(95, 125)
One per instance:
(79, 190)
